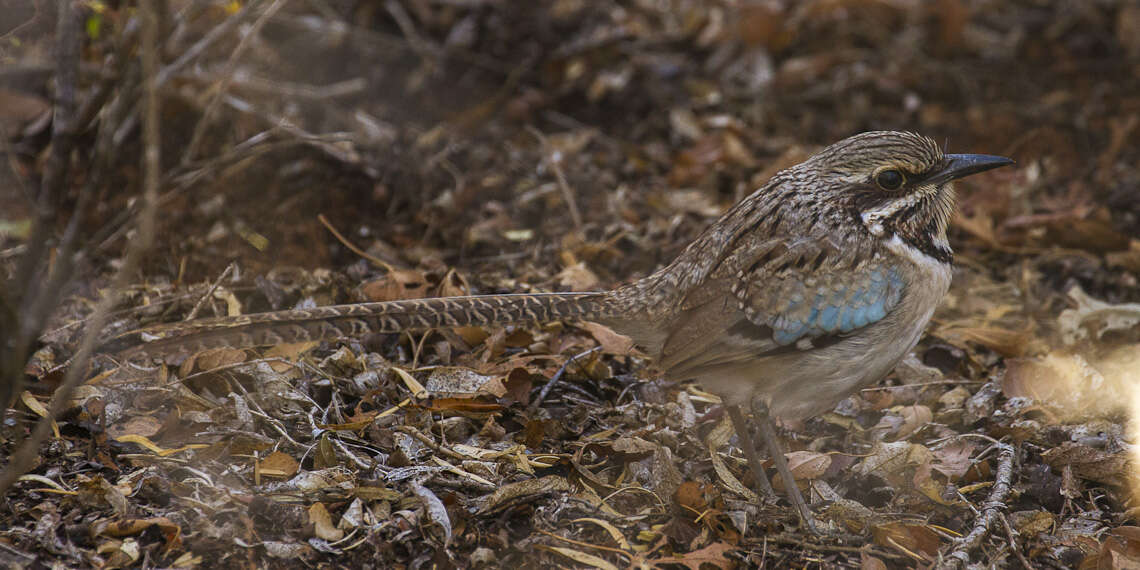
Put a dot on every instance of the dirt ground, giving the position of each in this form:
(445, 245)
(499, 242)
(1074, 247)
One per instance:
(315, 152)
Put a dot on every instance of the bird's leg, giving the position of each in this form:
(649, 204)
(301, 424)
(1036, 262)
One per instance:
(750, 451)
(776, 451)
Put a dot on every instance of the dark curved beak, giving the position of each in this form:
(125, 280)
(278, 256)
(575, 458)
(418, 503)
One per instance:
(957, 166)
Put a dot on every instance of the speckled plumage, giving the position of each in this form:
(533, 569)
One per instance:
(816, 284)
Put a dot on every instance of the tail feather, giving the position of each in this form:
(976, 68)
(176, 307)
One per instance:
(340, 321)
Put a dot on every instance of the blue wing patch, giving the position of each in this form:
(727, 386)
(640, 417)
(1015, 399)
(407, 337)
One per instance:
(835, 307)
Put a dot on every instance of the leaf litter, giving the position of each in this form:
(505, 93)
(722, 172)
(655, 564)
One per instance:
(455, 144)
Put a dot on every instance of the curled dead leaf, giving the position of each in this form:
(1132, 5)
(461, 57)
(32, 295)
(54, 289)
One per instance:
(396, 285)
(323, 526)
(894, 462)
(171, 532)
(212, 359)
(915, 540)
(610, 341)
(1089, 463)
(513, 492)
(954, 459)
(578, 277)
(278, 464)
(805, 466)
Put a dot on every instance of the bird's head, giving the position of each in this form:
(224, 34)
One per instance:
(897, 184)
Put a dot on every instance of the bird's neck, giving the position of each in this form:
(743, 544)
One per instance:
(923, 225)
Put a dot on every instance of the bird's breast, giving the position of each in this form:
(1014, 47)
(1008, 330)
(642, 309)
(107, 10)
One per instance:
(927, 280)
(800, 384)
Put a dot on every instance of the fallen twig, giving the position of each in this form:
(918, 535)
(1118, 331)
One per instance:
(990, 514)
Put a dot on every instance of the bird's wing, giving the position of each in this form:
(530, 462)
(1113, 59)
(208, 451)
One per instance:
(785, 296)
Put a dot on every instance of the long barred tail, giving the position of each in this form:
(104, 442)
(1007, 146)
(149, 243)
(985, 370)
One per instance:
(340, 321)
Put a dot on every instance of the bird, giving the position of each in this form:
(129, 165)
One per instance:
(810, 288)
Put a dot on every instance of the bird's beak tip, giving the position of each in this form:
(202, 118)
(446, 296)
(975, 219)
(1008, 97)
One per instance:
(962, 165)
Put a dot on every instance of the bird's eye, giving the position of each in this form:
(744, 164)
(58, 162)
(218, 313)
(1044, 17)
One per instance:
(890, 179)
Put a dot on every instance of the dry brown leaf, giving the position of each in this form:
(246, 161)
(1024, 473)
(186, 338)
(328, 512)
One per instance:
(473, 336)
(323, 480)
(355, 516)
(589, 560)
(955, 398)
(1089, 463)
(291, 351)
(323, 526)
(904, 420)
(1129, 260)
(894, 462)
(100, 493)
(868, 562)
(953, 459)
(1032, 523)
(808, 464)
(145, 426)
(805, 466)
(513, 492)
(518, 338)
(879, 399)
(357, 421)
(453, 285)
(278, 464)
(287, 550)
(911, 539)
(714, 554)
(1094, 234)
(933, 489)
(727, 478)
(212, 359)
(376, 494)
(578, 277)
(325, 455)
(154, 447)
(851, 514)
(979, 225)
(413, 385)
(517, 385)
(171, 532)
(610, 341)
(691, 495)
(467, 406)
(396, 285)
(1119, 551)
(633, 446)
(766, 24)
(613, 531)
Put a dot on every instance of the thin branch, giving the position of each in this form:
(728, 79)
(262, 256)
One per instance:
(68, 43)
(991, 512)
(554, 159)
(209, 293)
(27, 298)
(24, 457)
(199, 47)
(227, 77)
